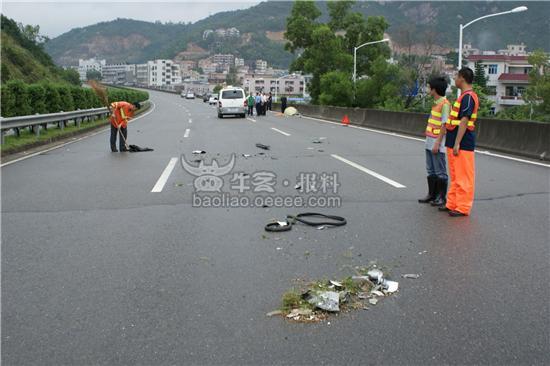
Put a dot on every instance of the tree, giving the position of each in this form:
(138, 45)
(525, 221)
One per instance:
(71, 76)
(337, 89)
(217, 89)
(538, 92)
(301, 24)
(93, 75)
(338, 11)
(485, 104)
(383, 89)
(479, 76)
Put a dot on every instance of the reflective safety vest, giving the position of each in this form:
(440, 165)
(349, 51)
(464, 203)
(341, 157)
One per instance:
(122, 111)
(433, 129)
(454, 121)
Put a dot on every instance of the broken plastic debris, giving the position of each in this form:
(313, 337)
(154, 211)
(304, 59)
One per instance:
(274, 312)
(262, 146)
(196, 152)
(246, 155)
(282, 223)
(324, 300)
(377, 293)
(413, 276)
(336, 283)
(373, 301)
(390, 286)
(322, 227)
(317, 141)
(297, 186)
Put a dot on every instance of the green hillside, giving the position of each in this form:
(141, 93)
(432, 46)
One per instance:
(24, 59)
(136, 41)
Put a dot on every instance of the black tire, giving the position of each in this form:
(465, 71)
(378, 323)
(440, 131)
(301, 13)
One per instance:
(243, 115)
(220, 115)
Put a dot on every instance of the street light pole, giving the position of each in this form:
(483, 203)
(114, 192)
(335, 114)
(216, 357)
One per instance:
(355, 60)
(461, 27)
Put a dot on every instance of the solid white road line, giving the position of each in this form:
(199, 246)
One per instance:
(186, 134)
(368, 171)
(281, 132)
(164, 176)
(422, 140)
(250, 119)
(73, 141)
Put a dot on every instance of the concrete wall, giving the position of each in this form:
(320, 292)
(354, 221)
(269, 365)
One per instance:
(525, 138)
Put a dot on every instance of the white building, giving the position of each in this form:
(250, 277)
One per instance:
(507, 78)
(286, 85)
(118, 73)
(224, 59)
(261, 66)
(87, 65)
(233, 32)
(514, 50)
(163, 72)
(142, 74)
(239, 62)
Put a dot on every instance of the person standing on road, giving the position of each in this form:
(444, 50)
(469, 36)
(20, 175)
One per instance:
(258, 101)
(269, 101)
(435, 144)
(250, 104)
(283, 104)
(122, 112)
(461, 143)
(264, 104)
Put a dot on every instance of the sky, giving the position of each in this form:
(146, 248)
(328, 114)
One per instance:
(58, 17)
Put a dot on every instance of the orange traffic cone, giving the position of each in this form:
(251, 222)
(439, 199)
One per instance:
(345, 120)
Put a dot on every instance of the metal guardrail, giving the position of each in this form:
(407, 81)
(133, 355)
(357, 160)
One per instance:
(35, 122)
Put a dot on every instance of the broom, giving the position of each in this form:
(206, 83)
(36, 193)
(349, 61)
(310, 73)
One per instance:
(101, 93)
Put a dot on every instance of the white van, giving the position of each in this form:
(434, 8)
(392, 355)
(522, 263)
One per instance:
(232, 101)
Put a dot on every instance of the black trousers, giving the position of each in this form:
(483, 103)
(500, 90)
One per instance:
(259, 109)
(114, 133)
(283, 107)
(250, 110)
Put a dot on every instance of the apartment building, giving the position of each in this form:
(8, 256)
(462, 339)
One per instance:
(284, 85)
(163, 72)
(89, 64)
(261, 66)
(507, 78)
(119, 73)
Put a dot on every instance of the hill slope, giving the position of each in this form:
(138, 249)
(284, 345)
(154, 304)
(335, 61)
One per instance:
(136, 41)
(23, 59)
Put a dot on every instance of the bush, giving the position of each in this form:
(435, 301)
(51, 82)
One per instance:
(19, 90)
(37, 98)
(53, 99)
(337, 89)
(79, 98)
(67, 103)
(7, 107)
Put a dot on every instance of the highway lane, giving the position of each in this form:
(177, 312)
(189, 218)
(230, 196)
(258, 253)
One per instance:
(96, 268)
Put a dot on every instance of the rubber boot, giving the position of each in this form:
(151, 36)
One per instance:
(431, 190)
(441, 197)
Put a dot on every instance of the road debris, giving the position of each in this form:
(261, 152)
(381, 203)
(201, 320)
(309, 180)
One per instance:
(298, 186)
(316, 301)
(246, 155)
(262, 146)
(198, 152)
(413, 276)
(317, 141)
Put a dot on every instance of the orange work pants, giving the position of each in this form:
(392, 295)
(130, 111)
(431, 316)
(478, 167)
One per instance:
(462, 174)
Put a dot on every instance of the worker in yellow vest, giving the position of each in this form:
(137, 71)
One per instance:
(461, 143)
(435, 144)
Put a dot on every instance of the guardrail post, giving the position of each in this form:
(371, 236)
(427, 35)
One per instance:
(62, 125)
(2, 137)
(45, 126)
(37, 130)
(78, 122)
(17, 131)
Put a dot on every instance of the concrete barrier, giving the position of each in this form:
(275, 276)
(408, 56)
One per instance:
(524, 138)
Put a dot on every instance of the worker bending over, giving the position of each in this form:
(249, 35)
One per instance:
(121, 113)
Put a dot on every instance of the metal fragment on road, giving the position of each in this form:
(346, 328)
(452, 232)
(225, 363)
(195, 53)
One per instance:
(413, 276)
(198, 152)
(297, 186)
(262, 146)
(375, 275)
(246, 155)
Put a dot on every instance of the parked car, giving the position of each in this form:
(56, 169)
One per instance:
(182, 94)
(206, 97)
(232, 101)
(190, 95)
(213, 100)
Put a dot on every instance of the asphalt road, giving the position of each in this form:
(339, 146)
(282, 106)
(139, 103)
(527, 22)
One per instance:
(98, 269)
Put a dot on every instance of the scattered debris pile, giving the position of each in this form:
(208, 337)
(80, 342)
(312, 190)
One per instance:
(319, 299)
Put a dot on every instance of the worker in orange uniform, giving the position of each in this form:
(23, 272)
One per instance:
(122, 112)
(461, 143)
